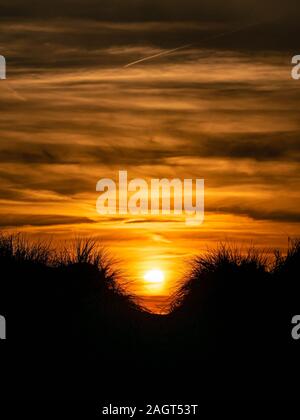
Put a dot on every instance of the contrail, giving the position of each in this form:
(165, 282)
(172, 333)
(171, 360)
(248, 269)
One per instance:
(158, 55)
(164, 53)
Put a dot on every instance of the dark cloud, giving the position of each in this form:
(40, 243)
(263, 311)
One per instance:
(82, 34)
(147, 10)
(257, 214)
(151, 220)
(33, 153)
(281, 146)
(22, 188)
(41, 220)
(257, 146)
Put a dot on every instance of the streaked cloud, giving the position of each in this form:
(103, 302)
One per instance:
(224, 109)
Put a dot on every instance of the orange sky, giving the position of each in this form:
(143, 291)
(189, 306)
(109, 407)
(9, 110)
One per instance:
(227, 115)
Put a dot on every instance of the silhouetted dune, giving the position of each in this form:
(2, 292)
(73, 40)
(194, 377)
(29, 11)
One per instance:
(69, 309)
(236, 309)
(224, 297)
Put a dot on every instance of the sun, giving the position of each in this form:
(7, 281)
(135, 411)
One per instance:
(154, 276)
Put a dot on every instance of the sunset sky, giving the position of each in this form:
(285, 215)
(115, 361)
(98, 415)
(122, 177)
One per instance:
(224, 109)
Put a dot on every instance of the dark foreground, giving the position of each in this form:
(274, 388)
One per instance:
(73, 333)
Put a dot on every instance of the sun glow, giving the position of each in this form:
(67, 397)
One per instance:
(154, 276)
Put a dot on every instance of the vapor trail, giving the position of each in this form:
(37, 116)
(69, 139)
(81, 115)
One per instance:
(211, 38)
(163, 53)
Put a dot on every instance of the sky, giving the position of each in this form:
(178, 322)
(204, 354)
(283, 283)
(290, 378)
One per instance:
(224, 109)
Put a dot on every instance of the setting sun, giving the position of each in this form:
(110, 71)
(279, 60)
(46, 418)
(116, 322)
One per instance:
(154, 276)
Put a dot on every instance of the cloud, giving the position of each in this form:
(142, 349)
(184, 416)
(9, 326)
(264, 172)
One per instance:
(82, 34)
(147, 10)
(258, 146)
(151, 220)
(41, 220)
(224, 109)
(160, 238)
(261, 214)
